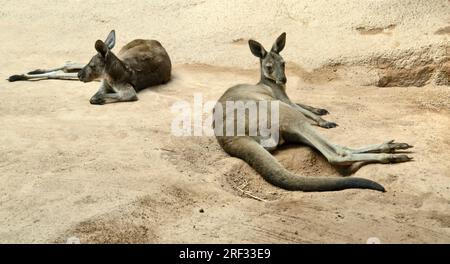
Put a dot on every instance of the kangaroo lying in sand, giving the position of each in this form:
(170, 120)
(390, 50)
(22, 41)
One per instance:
(294, 127)
(138, 65)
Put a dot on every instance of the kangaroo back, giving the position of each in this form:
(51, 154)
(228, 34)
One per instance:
(149, 61)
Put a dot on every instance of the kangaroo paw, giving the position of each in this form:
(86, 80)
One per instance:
(97, 100)
(326, 124)
(321, 112)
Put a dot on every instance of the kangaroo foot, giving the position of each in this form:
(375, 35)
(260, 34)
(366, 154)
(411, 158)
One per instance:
(320, 112)
(387, 147)
(398, 158)
(326, 124)
(392, 146)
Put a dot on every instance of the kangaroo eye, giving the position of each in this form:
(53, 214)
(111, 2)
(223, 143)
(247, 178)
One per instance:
(269, 67)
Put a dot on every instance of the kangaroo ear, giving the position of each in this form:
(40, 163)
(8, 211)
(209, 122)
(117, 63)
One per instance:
(101, 47)
(111, 39)
(257, 49)
(278, 46)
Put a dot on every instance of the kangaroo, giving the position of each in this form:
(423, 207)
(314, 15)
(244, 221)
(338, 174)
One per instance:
(139, 65)
(295, 127)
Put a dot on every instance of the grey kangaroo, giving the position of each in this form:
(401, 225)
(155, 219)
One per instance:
(294, 127)
(138, 65)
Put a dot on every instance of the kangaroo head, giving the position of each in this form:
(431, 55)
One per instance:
(95, 69)
(272, 64)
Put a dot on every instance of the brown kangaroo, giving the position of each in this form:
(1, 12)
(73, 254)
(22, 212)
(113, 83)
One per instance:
(139, 64)
(294, 127)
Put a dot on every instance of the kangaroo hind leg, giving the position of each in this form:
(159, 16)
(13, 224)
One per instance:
(339, 155)
(67, 68)
(68, 71)
(387, 147)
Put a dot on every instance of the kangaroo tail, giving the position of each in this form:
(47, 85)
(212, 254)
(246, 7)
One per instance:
(273, 172)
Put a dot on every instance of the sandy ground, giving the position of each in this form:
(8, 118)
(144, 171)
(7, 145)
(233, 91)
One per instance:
(115, 173)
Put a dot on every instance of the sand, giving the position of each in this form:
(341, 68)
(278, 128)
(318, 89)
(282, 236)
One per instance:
(115, 174)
